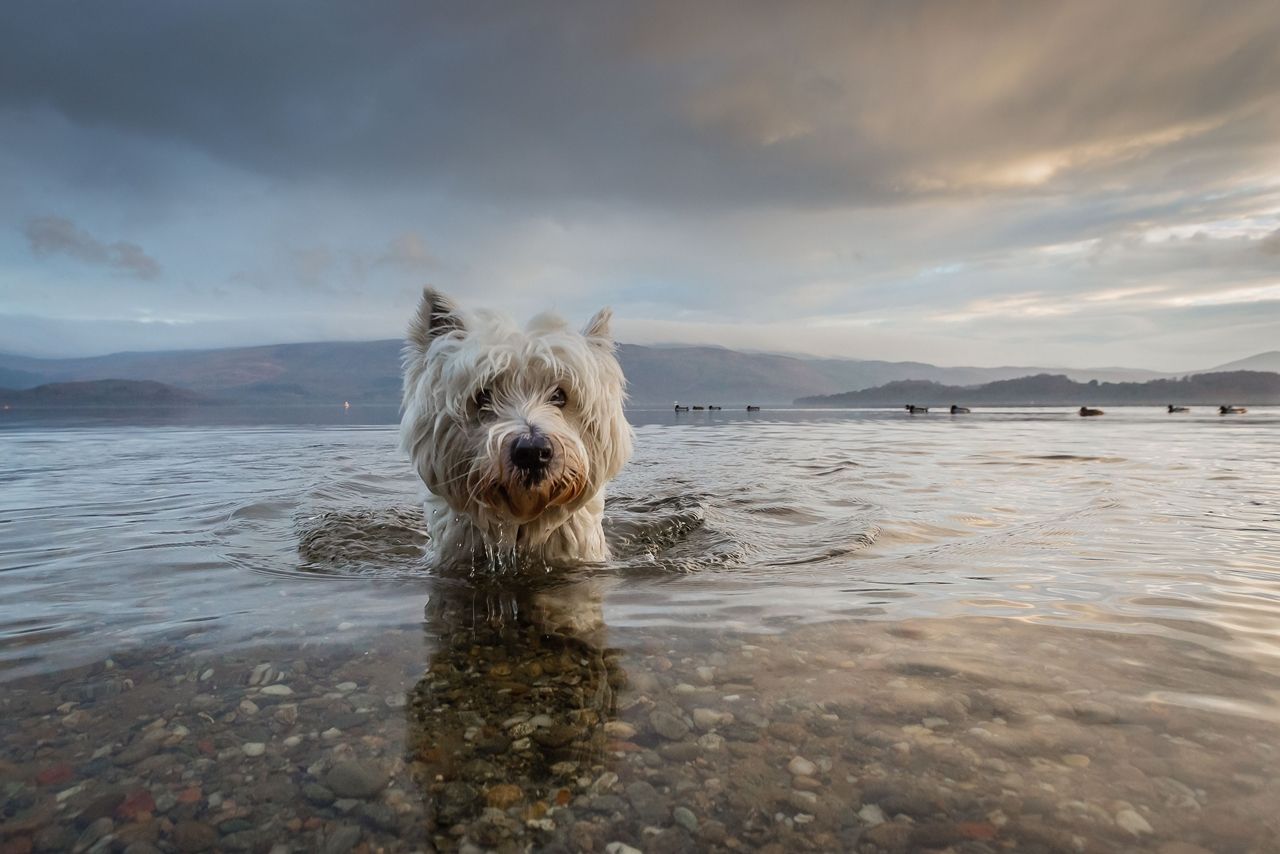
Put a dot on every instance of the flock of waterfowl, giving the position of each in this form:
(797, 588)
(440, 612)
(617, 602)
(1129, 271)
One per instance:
(1085, 411)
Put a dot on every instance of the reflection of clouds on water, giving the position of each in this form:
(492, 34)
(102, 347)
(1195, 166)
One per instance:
(512, 708)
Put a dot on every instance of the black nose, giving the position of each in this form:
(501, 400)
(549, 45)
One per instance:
(531, 453)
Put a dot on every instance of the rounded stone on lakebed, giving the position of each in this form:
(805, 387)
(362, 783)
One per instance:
(620, 730)
(668, 725)
(801, 767)
(684, 817)
(503, 795)
(193, 836)
(355, 779)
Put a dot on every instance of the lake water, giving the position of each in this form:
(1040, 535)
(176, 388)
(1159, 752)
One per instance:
(1016, 630)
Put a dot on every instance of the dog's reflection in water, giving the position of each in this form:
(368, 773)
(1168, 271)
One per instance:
(508, 721)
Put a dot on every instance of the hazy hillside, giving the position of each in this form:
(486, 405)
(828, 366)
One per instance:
(100, 393)
(1269, 361)
(12, 378)
(356, 371)
(369, 372)
(1247, 387)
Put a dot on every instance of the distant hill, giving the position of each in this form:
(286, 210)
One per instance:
(100, 393)
(1269, 361)
(18, 379)
(1247, 387)
(369, 372)
(365, 371)
(660, 375)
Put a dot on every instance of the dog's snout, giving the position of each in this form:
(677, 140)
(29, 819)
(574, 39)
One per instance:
(531, 453)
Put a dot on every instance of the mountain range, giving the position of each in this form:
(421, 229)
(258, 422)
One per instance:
(369, 372)
(1217, 388)
(101, 393)
(1268, 361)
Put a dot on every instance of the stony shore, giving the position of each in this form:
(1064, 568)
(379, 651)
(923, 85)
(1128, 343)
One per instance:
(518, 730)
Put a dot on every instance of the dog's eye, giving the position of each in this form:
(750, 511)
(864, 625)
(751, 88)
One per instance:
(559, 398)
(484, 399)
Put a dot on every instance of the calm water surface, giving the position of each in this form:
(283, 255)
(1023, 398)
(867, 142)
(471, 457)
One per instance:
(1014, 630)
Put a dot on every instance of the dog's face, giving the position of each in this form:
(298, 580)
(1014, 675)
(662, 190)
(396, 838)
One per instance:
(511, 425)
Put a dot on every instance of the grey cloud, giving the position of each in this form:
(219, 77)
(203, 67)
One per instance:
(408, 252)
(1270, 245)
(321, 268)
(697, 105)
(55, 235)
(759, 175)
(314, 266)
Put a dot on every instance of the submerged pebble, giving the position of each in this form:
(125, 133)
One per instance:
(801, 767)
(355, 779)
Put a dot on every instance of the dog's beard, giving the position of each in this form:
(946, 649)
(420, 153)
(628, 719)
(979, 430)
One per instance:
(508, 491)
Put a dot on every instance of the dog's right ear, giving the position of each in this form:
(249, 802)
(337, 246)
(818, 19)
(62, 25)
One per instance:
(437, 315)
(597, 330)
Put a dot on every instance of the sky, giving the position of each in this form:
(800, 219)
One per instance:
(1067, 184)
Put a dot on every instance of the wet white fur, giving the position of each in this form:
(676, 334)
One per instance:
(449, 356)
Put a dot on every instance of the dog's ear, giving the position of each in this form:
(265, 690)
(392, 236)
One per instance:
(437, 315)
(597, 329)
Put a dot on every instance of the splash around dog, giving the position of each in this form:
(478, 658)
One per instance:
(515, 432)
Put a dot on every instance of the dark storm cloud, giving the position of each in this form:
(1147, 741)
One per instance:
(704, 104)
(55, 235)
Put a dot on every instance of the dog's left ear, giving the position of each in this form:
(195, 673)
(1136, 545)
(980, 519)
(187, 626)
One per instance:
(437, 315)
(597, 329)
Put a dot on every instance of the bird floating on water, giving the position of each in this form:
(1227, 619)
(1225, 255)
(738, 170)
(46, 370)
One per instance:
(913, 409)
(959, 410)
(1086, 412)
(1173, 408)
(1232, 410)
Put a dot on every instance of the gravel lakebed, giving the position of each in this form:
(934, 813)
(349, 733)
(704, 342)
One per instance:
(528, 724)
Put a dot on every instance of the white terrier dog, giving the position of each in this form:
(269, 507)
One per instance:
(514, 432)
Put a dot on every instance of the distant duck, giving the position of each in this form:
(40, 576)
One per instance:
(699, 408)
(1232, 410)
(913, 409)
(680, 408)
(753, 408)
(1173, 408)
(713, 408)
(346, 404)
(1086, 412)
(959, 410)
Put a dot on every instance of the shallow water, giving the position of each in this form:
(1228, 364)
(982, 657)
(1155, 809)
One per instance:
(1014, 630)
